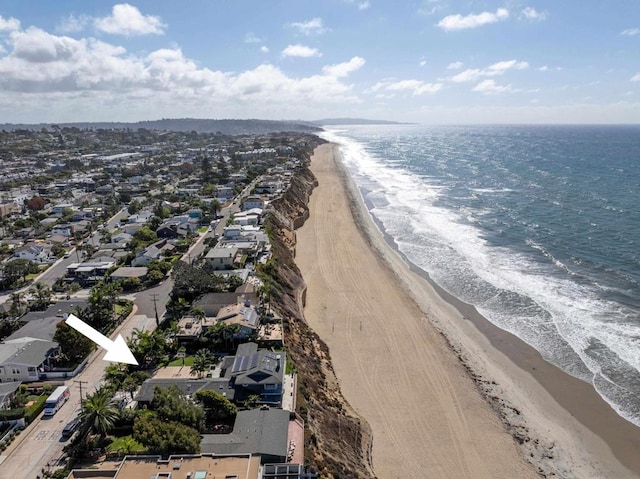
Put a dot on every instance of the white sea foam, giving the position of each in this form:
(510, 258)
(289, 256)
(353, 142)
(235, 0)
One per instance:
(510, 289)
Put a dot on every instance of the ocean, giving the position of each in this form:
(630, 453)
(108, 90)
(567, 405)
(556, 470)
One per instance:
(538, 227)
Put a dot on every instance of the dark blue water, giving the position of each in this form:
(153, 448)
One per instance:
(536, 226)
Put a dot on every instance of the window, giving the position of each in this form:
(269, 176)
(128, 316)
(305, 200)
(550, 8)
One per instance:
(15, 370)
(32, 371)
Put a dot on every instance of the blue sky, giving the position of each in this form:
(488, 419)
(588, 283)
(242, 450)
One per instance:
(425, 61)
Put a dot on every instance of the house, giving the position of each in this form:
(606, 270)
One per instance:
(23, 359)
(221, 258)
(232, 231)
(121, 238)
(60, 209)
(192, 466)
(131, 228)
(168, 231)
(89, 272)
(133, 272)
(7, 393)
(33, 252)
(252, 201)
(224, 193)
(254, 371)
(142, 217)
(146, 256)
(188, 386)
(263, 432)
(211, 303)
(65, 230)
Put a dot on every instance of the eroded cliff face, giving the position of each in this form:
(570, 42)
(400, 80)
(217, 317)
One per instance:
(337, 441)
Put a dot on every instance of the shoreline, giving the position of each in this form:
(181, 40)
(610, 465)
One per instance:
(562, 425)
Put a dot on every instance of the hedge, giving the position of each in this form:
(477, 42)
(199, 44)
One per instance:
(35, 409)
(12, 414)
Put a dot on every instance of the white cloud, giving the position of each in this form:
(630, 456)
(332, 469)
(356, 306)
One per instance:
(636, 77)
(454, 66)
(310, 27)
(264, 49)
(423, 62)
(490, 87)
(630, 32)
(87, 78)
(343, 69)
(532, 14)
(415, 87)
(9, 24)
(73, 24)
(543, 68)
(301, 51)
(364, 5)
(127, 20)
(459, 22)
(496, 69)
(251, 37)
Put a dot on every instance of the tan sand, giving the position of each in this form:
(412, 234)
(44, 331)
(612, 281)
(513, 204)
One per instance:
(428, 417)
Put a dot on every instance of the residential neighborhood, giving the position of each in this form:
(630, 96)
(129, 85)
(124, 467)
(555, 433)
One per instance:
(158, 236)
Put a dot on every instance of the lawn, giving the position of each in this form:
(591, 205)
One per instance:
(203, 229)
(188, 361)
(125, 444)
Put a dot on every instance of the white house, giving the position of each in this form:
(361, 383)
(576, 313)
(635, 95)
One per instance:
(252, 201)
(33, 252)
(146, 256)
(221, 258)
(63, 230)
(22, 358)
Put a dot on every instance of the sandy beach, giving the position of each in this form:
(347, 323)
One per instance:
(446, 395)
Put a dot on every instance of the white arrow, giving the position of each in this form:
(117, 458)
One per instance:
(117, 351)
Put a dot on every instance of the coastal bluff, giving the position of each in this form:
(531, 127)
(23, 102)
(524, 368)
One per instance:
(337, 441)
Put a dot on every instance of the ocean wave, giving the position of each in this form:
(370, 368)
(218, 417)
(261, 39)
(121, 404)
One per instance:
(534, 295)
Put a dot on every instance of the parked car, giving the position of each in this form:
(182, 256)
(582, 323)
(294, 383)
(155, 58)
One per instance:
(71, 427)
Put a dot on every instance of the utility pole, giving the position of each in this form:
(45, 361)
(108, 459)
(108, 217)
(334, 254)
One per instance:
(80, 383)
(154, 298)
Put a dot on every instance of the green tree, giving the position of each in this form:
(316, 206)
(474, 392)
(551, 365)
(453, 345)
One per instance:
(74, 345)
(99, 412)
(115, 374)
(18, 304)
(201, 362)
(216, 406)
(165, 438)
(42, 293)
(134, 207)
(170, 404)
(145, 235)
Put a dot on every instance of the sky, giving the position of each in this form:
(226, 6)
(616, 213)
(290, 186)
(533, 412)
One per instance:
(423, 61)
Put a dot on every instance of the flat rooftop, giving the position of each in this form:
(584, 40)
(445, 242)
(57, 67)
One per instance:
(205, 466)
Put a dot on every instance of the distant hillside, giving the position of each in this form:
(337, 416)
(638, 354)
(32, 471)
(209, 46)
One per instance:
(354, 121)
(226, 127)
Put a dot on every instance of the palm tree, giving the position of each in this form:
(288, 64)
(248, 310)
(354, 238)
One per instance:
(17, 303)
(199, 314)
(99, 412)
(42, 292)
(115, 374)
(201, 362)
